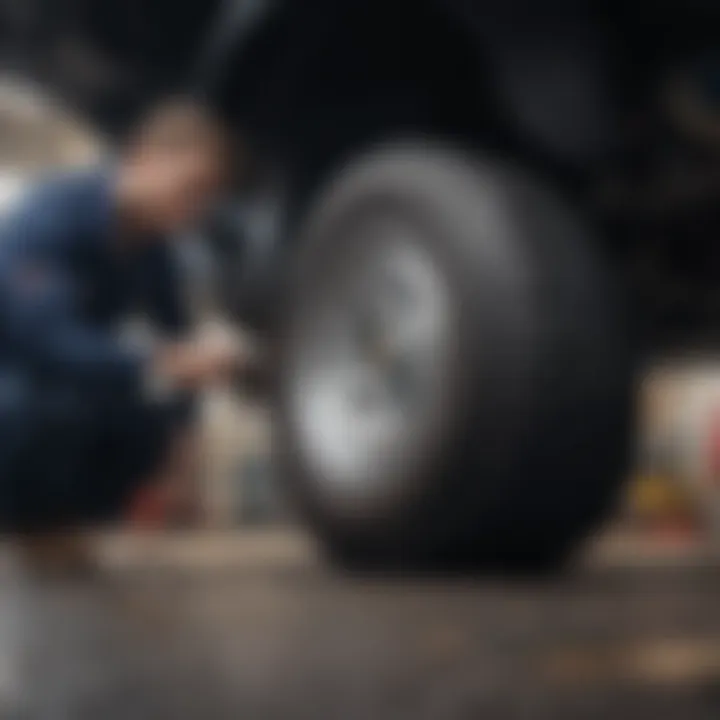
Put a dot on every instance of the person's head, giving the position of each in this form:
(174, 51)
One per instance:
(175, 164)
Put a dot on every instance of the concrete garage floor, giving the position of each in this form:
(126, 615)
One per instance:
(254, 626)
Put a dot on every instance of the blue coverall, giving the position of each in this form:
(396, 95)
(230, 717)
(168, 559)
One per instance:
(78, 431)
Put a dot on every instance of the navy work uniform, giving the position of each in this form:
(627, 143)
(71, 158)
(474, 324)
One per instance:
(78, 431)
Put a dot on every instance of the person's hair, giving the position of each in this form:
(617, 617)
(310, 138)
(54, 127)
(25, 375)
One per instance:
(182, 123)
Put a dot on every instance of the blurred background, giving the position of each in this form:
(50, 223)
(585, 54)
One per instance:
(241, 615)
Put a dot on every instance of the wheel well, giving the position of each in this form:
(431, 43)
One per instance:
(318, 85)
(349, 73)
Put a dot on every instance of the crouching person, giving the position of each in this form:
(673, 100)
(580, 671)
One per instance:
(86, 422)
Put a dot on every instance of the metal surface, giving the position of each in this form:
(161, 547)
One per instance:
(373, 366)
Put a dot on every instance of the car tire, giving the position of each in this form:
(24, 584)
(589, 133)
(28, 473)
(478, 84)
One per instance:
(483, 418)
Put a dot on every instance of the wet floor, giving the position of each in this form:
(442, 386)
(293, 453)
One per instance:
(269, 633)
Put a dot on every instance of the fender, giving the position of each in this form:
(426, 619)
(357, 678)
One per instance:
(542, 76)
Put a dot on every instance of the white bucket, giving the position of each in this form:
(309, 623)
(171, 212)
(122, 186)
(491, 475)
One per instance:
(679, 433)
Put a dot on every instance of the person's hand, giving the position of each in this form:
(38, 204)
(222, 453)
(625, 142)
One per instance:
(198, 363)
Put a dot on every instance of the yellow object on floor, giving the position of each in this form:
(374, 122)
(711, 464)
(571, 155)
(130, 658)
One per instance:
(658, 499)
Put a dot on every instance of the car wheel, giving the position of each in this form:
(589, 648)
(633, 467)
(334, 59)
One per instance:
(454, 380)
